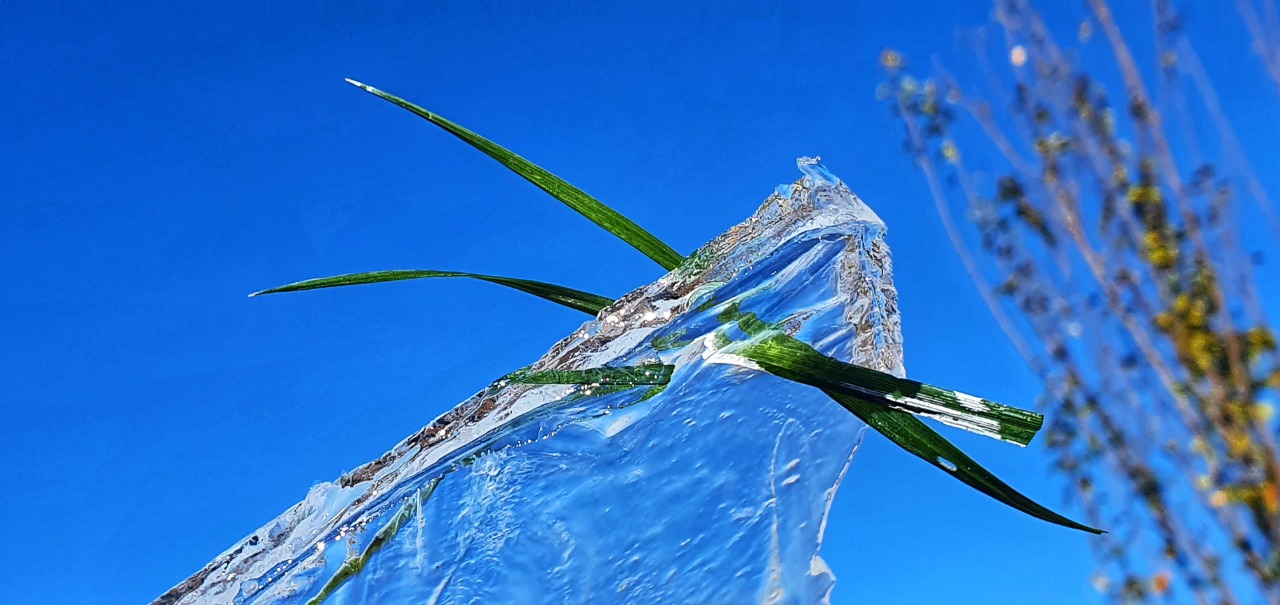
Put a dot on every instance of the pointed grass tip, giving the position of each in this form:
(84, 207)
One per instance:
(360, 84)
(267, 291)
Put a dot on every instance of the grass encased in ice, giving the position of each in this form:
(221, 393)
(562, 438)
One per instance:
(786, 357)
(885, 402)
(355, 565)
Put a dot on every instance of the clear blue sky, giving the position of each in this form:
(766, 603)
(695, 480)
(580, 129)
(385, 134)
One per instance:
(159, 163)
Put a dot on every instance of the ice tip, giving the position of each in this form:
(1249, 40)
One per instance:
(812, 168)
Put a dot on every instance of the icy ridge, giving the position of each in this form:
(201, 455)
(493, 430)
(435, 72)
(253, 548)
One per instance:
(717, 485)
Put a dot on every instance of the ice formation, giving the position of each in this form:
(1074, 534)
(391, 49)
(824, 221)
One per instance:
(714, 488)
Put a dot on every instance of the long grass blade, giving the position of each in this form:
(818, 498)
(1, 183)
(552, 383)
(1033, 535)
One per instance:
(792, 359)
(916, 437)
(647, 374)
(571, 196)
(788, 358)
(574, 299)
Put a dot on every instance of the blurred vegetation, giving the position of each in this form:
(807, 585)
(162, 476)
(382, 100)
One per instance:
(1106, 202)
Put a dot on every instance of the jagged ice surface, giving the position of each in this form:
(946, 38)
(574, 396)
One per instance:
(714, 489)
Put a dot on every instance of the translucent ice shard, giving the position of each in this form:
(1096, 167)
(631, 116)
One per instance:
(714, 487)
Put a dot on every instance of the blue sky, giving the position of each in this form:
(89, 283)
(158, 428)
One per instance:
(159, 163)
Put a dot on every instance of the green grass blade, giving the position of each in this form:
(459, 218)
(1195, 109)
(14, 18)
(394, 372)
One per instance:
(575, 198)
(916, 437)
(353, 566)
(647, 374)
(792, 359)
(574, 299)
